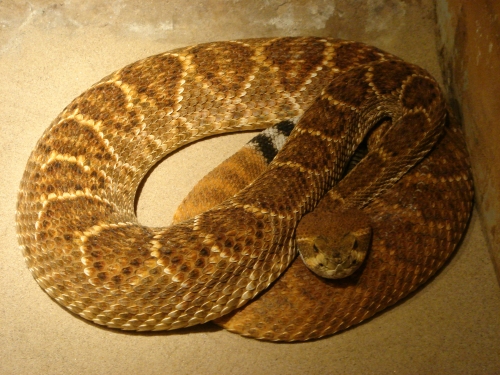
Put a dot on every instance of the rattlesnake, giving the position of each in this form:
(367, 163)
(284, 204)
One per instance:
(75, 218)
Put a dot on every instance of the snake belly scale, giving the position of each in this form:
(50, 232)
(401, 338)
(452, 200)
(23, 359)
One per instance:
(75, 218)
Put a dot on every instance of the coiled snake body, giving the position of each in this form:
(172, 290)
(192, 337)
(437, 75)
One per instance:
(76, 222)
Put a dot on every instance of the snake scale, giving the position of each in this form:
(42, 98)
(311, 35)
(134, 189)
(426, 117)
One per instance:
(84, 246)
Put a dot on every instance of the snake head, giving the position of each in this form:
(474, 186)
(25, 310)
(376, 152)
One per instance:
(334, 244)
(335, 258)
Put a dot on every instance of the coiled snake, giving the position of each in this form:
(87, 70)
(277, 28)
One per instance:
(84, 246)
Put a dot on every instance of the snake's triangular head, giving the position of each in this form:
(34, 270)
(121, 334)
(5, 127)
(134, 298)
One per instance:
(334, 244)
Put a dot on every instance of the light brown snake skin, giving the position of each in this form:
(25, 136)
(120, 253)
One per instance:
(76, 222)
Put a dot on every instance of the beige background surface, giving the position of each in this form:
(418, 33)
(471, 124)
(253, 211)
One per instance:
(50, 51)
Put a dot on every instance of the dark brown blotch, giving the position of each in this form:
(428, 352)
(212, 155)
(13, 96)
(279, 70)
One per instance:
(352, 53)
(157, 77)
(223, 59)
(352, 88)
(296, 59)
(388, 76)
(419, 91)
(310, 151)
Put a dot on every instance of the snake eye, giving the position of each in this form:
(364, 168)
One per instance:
(354, 244)
(315, 248)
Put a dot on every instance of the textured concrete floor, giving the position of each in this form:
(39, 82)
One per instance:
(51, 51)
